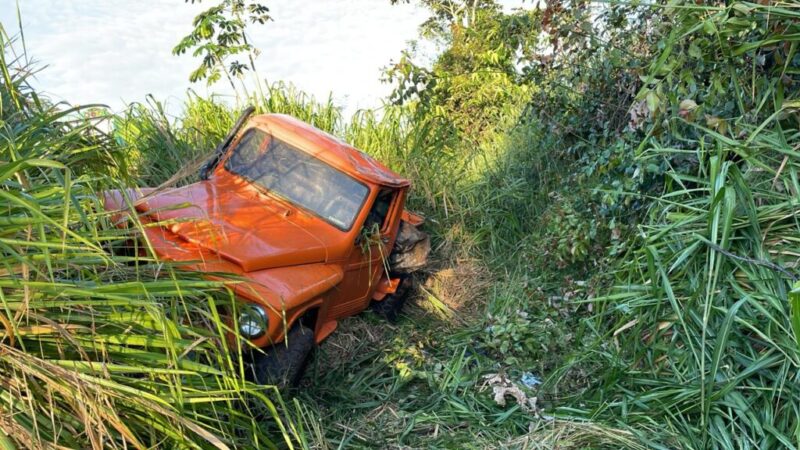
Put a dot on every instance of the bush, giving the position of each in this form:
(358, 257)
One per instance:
(696, 336)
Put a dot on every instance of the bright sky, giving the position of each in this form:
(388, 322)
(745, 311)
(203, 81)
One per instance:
(118, 51)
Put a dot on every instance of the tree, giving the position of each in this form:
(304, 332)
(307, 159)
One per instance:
(445, 12)
(219, 35)
(475, 82)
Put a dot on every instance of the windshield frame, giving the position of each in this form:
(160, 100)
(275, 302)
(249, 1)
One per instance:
(283, 198)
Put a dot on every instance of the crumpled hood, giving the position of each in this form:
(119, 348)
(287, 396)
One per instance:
(233, 219)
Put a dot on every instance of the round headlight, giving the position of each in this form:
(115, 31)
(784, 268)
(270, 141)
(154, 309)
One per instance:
(252, 321)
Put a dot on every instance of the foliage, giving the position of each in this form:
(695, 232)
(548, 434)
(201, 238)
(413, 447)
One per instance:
(513, 335)
(571, 235)
(680, 124)
(99, 350)
(697, 333)
(474, 83)
(219, 34)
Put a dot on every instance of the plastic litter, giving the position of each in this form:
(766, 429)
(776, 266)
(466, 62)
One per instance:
(530, 380)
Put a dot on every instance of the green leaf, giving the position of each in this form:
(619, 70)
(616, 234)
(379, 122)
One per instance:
(694, 51)
(794, 299)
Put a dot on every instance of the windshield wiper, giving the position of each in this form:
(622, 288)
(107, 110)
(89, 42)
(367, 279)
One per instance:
(220, 150)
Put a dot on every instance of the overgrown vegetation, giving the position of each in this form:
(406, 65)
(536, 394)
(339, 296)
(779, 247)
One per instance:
(699, 318)
(99, 350)
(612, 192)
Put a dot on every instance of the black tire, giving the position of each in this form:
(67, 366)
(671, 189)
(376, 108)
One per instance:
(390, 307)
(282, 364)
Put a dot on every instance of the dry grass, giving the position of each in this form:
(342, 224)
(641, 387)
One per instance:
(566, 435)
(455, 291)
(352, 338)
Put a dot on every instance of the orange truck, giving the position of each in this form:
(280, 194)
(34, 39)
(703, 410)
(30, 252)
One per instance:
(317, 230)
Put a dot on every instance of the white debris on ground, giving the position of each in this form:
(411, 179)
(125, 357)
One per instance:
(503, 387)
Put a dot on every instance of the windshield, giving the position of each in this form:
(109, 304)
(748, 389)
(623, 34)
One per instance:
(298, 177)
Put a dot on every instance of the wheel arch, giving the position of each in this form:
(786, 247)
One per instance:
(308, 315)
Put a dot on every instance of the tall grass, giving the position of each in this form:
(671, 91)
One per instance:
(158, 146)
(699, 327)
(97, 350)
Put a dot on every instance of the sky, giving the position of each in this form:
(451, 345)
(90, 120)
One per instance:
(114, 52)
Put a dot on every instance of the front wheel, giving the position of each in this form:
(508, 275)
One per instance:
(282, 364)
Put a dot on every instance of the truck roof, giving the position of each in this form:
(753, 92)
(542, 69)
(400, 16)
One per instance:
(329, 148)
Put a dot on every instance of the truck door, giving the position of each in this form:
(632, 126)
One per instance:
(368, 260)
